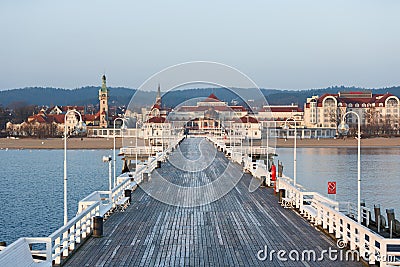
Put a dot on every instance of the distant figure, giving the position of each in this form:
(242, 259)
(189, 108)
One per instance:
(280, 169)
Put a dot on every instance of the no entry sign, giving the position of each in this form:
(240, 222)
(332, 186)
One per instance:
(332, 188)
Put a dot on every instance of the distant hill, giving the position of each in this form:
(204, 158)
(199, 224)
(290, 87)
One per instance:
(57, 96)
(121, 96)
(282, 97)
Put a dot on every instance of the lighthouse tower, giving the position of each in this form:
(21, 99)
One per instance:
(103, 97)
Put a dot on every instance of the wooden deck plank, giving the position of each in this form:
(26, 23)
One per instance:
(227, 232)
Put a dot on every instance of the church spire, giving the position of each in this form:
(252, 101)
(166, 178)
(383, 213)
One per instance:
(158, 98)
(104, 85)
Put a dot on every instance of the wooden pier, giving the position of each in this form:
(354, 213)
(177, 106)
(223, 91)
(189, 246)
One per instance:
(228, 232)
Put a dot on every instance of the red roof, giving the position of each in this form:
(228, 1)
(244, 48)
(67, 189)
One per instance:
(156, 120)
(57, 118)
(247, 119)
(40, 118)
(156, 106)
(376, 98)
(91, 117)
(212, 98)
(283, 109)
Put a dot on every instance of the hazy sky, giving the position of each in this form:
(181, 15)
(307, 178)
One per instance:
(279, 44)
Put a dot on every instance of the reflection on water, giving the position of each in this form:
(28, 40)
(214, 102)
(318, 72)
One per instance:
(380, 171)
(31, 188)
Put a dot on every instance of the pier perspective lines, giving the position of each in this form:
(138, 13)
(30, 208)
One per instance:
(230, 231)
(187, 187)
(196, 157)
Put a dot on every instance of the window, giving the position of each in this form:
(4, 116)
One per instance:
(350, 105)
(356, 105)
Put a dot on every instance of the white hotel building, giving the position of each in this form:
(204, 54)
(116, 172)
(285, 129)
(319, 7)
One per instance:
(326, 111)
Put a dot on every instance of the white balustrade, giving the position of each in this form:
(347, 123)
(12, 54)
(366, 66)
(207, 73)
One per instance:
(334, 217)
(66, 239)
(339, 219)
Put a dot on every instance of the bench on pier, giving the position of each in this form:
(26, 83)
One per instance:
(122, 204)
(105, 207)
(287, 202)
(105, 211)
(18, 254)
(310, 211)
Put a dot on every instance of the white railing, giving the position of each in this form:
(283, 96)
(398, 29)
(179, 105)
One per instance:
(338, 219)
(140, 150)
(237, 157)
(150, 150)
(258, 169)
(21, 252)
(66, 239)
(97, 196)
(109, 133)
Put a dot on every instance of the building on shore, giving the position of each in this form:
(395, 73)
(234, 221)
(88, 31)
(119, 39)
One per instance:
(379, 111)
(103, 98)
(51, 121)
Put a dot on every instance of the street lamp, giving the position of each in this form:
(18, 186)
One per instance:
(343, 128)
(136, 145)
(108, 159)
(80, 129)
(123, 127)
(267, 145)
(286, 127)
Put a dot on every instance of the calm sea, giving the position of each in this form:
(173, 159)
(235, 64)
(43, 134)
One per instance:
(380, 173)
(31, 182)
(31, 188)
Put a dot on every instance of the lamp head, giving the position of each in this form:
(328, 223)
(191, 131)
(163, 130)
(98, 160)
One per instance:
(106, 158)
(343, 128)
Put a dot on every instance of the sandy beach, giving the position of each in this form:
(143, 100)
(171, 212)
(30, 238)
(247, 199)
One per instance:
(104, 143)
(58, 143)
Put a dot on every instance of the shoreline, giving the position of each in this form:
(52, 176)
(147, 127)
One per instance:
(107, 143)
(58, 143)
(340, 143)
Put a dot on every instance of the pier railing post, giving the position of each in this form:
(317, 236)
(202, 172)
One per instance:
(65, 239)
(57, 251)
(72, 238)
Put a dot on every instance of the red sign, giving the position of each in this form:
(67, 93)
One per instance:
(332, 188)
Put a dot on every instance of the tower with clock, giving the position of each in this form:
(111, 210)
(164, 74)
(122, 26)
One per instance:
(103, 98)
